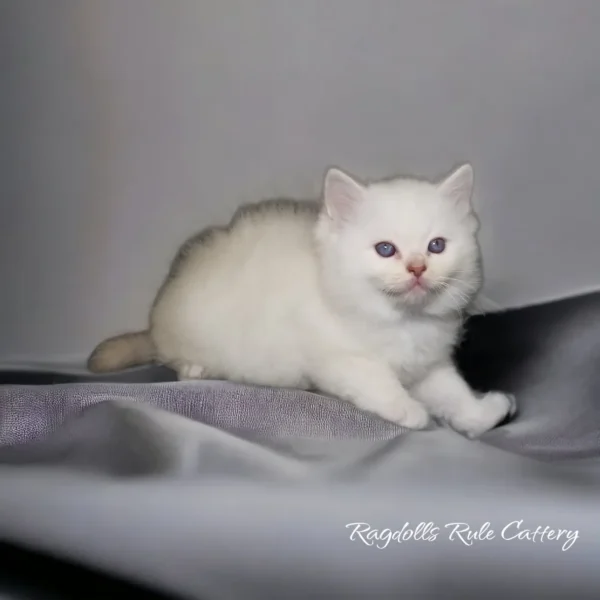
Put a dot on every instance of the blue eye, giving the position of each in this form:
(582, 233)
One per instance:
(385, 249)
(437, 245)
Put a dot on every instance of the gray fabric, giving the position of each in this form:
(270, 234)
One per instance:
(551, 424)
(215, 490)
(27, 412)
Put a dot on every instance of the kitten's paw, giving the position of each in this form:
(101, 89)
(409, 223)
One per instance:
(406, 414)
(189, 371)
(492, 409)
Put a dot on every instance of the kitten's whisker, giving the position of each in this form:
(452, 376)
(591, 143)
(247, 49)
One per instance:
(446, 278)
(464, 290)
(459, 298)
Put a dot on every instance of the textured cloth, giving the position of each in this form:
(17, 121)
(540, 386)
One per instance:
(550, 425)
(250, 493)
(28, 412)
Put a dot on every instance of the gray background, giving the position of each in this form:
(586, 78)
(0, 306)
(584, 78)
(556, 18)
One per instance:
(127, 125)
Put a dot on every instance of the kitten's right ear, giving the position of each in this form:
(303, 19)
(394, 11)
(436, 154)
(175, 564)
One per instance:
(458, 187)
(341, 194)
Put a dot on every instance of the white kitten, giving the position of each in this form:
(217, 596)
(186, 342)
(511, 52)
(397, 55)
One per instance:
(361, 296)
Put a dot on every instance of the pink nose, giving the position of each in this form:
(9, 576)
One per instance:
(417, 270)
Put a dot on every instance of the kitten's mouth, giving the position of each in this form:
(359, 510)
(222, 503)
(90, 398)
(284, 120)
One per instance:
(417, 284)
(414, 289)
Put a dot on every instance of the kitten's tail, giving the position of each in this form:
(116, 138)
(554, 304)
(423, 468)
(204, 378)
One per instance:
(121, 352)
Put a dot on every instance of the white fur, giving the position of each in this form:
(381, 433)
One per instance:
(297, 297)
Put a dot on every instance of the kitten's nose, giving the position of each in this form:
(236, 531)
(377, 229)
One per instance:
(417, 269)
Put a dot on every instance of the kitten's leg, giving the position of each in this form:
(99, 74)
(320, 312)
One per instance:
(371, 386)
(448, 396)
(189, 371)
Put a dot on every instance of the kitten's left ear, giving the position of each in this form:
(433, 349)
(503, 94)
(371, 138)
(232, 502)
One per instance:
(458, 187)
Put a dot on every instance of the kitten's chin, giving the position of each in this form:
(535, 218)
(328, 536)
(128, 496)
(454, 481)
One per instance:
(416, 297)
(426, 297)
(430, 296)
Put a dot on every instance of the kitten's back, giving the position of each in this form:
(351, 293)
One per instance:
(272, 217)
(233, 287)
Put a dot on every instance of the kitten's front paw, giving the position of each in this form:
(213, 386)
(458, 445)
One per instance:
(493, 408)
(407, 414)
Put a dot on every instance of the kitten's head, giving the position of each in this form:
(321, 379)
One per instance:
(413, 241)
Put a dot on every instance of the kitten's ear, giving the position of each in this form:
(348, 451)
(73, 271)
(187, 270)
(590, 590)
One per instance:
(458, 187)
(341, 194)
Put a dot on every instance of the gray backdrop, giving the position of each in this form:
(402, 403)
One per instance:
(128, 125)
